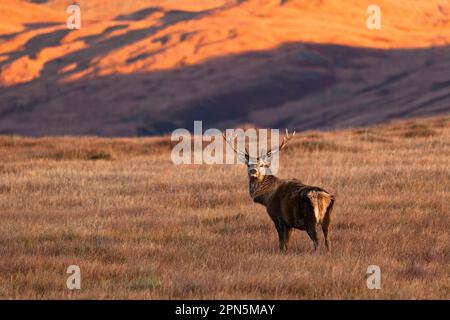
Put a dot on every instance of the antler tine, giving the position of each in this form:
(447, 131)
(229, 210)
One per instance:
(286, 138)
(231, 143)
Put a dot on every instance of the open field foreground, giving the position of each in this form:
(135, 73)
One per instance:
(140, 227)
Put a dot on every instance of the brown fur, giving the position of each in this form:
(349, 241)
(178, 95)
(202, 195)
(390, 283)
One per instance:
(289, 203)
(292, 204)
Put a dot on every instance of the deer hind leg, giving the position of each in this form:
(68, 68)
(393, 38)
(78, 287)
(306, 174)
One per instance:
(312, 233)
(326, 223)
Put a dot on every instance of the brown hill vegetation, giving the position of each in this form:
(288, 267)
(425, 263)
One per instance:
(139, 69)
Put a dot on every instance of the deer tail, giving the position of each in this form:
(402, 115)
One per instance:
(322, 203)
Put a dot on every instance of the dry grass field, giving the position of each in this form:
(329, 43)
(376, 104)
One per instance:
(140, 227)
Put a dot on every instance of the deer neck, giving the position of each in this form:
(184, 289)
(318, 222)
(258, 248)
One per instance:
(261, 189)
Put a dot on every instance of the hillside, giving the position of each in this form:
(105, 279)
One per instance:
(147, 67)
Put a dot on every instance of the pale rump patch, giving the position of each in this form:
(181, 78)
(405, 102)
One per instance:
(320, 201)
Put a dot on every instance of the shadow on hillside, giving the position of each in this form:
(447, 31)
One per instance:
(99, 45)
(299, 85)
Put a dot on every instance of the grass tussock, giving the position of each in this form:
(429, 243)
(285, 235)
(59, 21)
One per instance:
(310, 146)
(419, 130)
(140, 227)
(74, 155)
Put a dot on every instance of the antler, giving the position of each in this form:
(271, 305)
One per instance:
(282, 145)
(231, 143)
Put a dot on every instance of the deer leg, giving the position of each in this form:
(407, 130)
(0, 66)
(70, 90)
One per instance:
(282, 234)
(287, 236)
(312, 233)
(325, 225)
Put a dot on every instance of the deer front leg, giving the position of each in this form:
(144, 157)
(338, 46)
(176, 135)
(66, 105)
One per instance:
(284, 234)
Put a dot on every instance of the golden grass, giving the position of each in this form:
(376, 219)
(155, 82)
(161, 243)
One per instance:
(140, 227)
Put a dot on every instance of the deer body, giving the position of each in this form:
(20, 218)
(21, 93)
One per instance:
(292, 204)
(289, 203)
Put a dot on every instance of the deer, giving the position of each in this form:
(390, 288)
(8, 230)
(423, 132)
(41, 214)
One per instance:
(290, 203)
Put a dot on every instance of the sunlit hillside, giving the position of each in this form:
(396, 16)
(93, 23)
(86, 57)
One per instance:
(147, 67)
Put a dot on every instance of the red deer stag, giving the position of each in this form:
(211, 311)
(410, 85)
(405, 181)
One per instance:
(289, 203)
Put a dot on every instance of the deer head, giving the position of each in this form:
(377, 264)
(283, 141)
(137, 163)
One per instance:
(258, 167)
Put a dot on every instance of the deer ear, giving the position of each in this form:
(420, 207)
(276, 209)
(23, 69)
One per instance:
(265, 160)
(243, 158)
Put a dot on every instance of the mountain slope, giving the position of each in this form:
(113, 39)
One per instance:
(138, 69)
